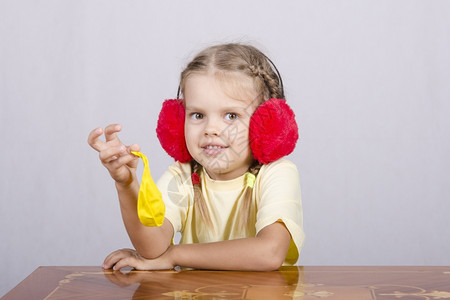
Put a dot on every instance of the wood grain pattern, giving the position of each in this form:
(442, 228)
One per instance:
(287, 283)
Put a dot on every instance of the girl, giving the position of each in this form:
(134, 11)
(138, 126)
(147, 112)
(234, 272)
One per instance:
(236, 206)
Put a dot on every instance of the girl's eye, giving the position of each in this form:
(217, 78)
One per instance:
(231, 116)
(197, 116)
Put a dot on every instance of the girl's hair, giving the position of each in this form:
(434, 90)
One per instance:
(240, 59)
(229, 59)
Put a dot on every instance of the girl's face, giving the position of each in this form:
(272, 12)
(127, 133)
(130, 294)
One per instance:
(217, 126)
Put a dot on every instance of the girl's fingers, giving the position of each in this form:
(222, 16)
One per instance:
(112, 153)
(109, 262)
(116, 256)
(111, 130)
(134, 147)
(93, 139)
(116, 163)
(116, 157)
(124, 262)
(112, 149)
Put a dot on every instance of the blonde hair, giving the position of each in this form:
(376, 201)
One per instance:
(234, 59)
(239, 59)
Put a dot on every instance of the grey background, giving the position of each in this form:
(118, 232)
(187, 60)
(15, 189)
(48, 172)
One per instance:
(368, 80)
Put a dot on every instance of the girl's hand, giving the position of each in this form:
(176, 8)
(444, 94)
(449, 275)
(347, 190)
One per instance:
(114, 155)
(128, 257)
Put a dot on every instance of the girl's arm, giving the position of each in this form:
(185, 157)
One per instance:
(151, 242)
(265, 252)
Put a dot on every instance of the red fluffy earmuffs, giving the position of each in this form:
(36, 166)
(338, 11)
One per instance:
(273, 130)
(170, 130)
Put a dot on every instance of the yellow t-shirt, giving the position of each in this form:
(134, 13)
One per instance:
(276, 197)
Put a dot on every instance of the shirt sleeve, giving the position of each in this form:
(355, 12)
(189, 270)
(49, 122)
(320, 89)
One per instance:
(175, 186)
(280, 200)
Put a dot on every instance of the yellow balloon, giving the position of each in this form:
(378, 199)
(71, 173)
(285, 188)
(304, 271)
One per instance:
(151, 208)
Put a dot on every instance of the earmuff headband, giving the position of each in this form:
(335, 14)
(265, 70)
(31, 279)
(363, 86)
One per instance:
(278, 74)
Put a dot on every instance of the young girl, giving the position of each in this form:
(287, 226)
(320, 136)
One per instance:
(237, 206)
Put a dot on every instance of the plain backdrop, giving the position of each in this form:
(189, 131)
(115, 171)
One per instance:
(369, 82)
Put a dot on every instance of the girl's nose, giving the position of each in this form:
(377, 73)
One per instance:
(212, 128)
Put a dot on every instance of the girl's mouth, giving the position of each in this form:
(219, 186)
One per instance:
(213, 150)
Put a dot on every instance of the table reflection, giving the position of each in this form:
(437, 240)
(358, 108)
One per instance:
(285, 283)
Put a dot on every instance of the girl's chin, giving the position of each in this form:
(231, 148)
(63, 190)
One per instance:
(216, 172)
(216, 169)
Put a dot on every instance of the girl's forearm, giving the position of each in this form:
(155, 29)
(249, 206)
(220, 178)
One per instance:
(265, 252)
(150, 242)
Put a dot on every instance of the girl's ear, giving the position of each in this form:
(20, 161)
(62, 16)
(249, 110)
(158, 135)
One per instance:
(170, 130)
(273, 131)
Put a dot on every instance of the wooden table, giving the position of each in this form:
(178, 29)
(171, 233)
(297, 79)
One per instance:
(288, 283)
